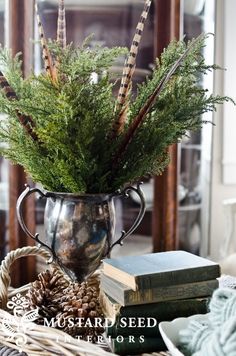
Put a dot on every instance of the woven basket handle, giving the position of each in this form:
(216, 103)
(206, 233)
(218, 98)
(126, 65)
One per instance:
(10, 258)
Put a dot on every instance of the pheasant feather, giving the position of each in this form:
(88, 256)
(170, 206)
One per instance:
(128, 72)
(61, 24)
(47, 58)
(149, 103)
(26, 121)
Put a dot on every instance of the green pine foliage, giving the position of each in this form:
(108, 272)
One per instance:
(73, 118)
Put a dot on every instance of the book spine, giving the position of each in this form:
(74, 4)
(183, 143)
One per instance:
(199, 274)
(183, 291)
(182, 308)
(136, 345)
(128, 297)
(167, 310)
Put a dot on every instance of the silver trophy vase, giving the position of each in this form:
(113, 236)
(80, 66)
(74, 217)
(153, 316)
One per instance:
(79, 229)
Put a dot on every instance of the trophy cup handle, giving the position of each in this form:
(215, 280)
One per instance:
(126, 193)
(19, 207)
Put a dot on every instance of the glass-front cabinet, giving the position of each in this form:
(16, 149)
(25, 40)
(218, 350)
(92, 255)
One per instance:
(195, 149)
(107, 23)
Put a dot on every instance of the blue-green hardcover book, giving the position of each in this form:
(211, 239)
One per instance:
(120, 316)
(125, 296)
(160, 269)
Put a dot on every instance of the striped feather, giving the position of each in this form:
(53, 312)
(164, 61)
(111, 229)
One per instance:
(119, 124)
(26, 121)
(128, 72)
(9, 92)
(61, 24)
(138, 120)
(131, 61)
(47, 58)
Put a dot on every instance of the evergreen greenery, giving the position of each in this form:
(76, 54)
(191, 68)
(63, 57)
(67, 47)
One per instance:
(73, 117)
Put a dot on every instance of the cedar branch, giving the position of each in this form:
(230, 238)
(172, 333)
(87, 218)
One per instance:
(147, 106)
(26, 121)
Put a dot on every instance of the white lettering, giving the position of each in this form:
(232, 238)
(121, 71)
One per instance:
(109, 322)
(50, 323)
(71, 322)
(98, 322)
(108, 338)
(67, 339)
(131, 339)
(89, 338)
(100, 339)
(61, 323)
(79, 322)
(141, 322)
(149, 324)
(141, 339)
(123, 322)
(88, 323)
(132, 322)
(120, 338)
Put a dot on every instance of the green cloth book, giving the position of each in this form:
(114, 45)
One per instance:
(139, 313)
(125, 296)
(135, 345)
(160, 269)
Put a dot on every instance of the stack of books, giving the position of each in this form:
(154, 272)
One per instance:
(138, 292)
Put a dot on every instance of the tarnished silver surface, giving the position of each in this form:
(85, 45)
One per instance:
(79, 228)
(79, 231)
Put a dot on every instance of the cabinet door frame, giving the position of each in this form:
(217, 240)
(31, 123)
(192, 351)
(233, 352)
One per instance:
(165, 211)
(19, 39)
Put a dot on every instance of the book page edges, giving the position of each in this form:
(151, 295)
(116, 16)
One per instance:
(109, 309)
(120, 276)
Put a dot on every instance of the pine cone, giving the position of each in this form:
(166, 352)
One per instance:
(74, 307)
(45, 293)
(82, 306)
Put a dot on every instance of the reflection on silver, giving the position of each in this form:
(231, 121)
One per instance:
(79, 228)
(80, 231)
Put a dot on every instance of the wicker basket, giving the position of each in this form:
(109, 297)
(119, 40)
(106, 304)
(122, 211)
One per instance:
(37, 339)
